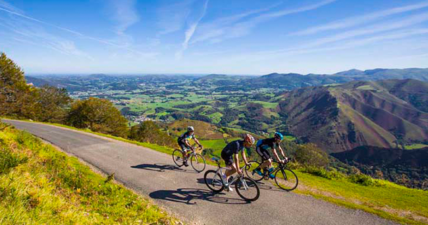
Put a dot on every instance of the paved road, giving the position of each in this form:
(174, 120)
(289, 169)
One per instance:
(182, 192)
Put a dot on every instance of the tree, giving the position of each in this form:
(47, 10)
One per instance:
(52, 104)
(16, 97)
(99, 115)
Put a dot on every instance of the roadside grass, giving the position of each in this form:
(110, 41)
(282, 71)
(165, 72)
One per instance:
(385, 199)
(41, 185)
(380, 197)
(415, 146)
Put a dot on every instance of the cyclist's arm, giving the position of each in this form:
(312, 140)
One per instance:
(244, 157)
(282, 151)
(197, 141)
(237, 163)
(276, 154)
(186, 142)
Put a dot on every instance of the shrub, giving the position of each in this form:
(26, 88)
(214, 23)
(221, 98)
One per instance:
(149, 132)
(99, 115)
(310, 155)
(364, 180)
(321, 172)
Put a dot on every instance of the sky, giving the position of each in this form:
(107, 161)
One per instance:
(246, 37)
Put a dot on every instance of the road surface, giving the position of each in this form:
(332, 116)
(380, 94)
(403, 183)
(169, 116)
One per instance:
(182, 191)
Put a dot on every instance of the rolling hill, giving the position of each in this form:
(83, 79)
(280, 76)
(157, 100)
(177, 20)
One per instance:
(359, 113)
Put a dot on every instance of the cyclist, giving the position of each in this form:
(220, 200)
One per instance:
(230, 155)
(262, 149)
(183, 142)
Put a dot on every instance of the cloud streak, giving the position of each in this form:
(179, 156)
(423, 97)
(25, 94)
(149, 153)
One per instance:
(188, 34)
(234, 27)
(20, 14)
(125, 14)
(173, 17)
(354, 21)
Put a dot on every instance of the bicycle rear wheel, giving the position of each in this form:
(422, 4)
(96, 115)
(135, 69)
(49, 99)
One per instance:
(177, 157)
(286, 179)
(249, 171)
(247, 189)
(198, 162)
(213, 181)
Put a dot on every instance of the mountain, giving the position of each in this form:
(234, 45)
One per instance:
(405, 167)
(275, 81)
(380, 74)
(385, 157)
(358, 113)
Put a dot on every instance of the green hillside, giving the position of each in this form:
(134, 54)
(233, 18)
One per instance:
(41, 185)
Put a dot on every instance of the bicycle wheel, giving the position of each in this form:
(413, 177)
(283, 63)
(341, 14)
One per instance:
(286, 179)
(213, 181)
(177, 157)
(249, 171)
(247, 189)
(198, 162)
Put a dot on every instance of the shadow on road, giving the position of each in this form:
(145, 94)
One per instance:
(160, 168)
(262, 185)
(190, 195)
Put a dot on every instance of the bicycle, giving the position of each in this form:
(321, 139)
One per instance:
(196, 160)
(288, 182)
(246, 188)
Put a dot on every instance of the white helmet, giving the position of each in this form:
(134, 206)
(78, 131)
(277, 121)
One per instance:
(249, 138)
(190, 128)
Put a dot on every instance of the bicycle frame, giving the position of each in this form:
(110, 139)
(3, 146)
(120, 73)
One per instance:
(221, 171)
(191, 150)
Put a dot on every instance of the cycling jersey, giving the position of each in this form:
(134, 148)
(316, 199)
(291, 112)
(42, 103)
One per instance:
(267, 143)
(262, 147)
(186, 136)
(232, 148)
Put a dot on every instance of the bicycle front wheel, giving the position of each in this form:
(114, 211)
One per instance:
(251, 173)
(247, 189)
(213, 181)
(177, 157)
(198, 162)
(286, 179)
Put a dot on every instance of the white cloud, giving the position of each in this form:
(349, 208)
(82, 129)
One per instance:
(354, 21)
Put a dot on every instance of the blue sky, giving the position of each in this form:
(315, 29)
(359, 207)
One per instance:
(213, 36)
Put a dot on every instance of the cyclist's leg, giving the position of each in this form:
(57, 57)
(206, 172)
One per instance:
(230, 167)
(184, 150)
(264, 154)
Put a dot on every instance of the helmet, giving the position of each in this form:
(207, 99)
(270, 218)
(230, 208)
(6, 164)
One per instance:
(249, 138)
(279, 136)
(190, 128)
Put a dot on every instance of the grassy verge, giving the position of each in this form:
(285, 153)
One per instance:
(383, 198)
(41, 185)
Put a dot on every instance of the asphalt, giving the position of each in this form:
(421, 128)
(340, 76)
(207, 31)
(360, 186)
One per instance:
(182, 191)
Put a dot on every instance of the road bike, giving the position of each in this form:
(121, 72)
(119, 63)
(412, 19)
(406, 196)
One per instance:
(285, 178)
(196, 160)
(246, 188)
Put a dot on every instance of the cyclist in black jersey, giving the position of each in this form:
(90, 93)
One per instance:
(183, 142)
(262, 149)
(230, 155)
